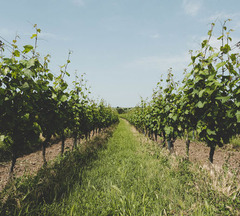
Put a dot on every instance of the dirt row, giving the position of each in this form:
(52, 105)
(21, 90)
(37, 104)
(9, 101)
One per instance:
(31, 163)
(199, 152)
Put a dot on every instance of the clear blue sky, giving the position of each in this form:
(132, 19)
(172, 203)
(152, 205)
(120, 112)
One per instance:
(123, 46)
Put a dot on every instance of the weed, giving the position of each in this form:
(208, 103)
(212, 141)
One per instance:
(235, 141)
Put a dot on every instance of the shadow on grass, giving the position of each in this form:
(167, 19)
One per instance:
(25, 195)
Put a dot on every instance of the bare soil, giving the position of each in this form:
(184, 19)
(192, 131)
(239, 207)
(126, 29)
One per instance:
(29, 164)
(199, 152)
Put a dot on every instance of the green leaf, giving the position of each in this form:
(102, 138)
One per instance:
(28, 73)
(168, 130)
(201, 93)
(229, 114)
(25, 85)
(2, 138)
(200, 104)
(50, 76)
(225, 49)
(210, 138)
(75, 97)
(26, 116)
(220, 65)
(54, 96)
(44, 87)
(195, 91)
(210, 32)
(68, 74)
(237, 103)
(174, 117)
(64, 98)
(30, 63)
(23, 62)
(167, 108)
(6, 71)
(209, 91)
(33, 36)
(27, 48)
(204, 43)
(211, 132)
(238, 116)
(16, 53)
(233, 57)
(224, 98)
(214, 55)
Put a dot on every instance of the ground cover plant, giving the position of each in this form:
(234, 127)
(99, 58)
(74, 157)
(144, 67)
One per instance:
(133, 176)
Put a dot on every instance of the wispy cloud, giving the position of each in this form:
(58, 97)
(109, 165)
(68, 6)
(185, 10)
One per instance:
(52, 36)
(155, 36)
(160, 64)
(10, 34)
(46, 35)
(192, 7)
(79, 3)
(4, 32)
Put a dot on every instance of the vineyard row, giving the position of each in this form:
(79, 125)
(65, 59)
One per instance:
(207, 101)
(34, 102)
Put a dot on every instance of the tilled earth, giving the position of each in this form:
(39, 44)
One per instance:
(199, 152)
(31, 163)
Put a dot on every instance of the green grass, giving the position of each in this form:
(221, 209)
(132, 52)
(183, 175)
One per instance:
(235, 141)
(4, 151)
(133, 176)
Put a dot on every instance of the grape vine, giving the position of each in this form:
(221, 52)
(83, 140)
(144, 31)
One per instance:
(208, 101)
(34, 102)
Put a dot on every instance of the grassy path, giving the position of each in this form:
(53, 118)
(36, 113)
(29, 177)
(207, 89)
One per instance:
(132, 177)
